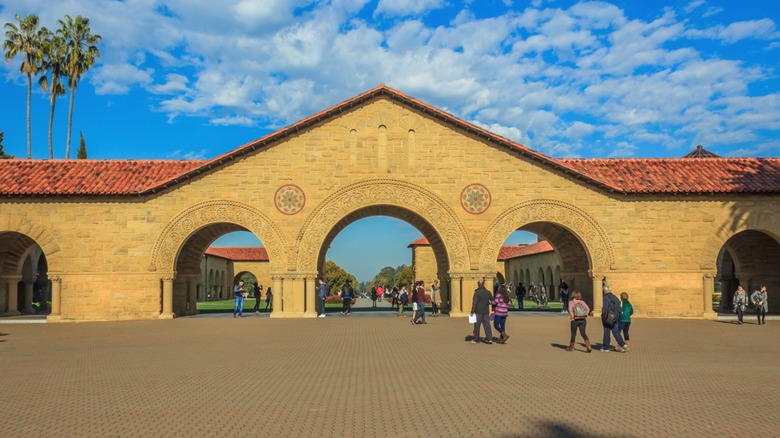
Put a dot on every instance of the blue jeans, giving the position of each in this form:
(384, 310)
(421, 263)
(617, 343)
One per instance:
(499, 322)
(322, 305)
(624, 329)
(420, 312)
(239, 306)
(615, 331)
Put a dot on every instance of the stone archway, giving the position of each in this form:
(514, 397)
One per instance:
(374, 193)
(373, 197)
(189, 221)
(185, 227)
(20, 239)
(567, 222)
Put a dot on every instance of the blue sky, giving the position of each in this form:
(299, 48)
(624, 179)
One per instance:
(195, 78)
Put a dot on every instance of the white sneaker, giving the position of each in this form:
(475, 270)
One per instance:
(321, 316)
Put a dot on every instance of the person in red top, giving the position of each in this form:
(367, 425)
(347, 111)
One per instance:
(420, 289)
(501, 304)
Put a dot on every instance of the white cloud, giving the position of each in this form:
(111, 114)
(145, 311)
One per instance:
(591, 77)
(403, 8)
(119, 78)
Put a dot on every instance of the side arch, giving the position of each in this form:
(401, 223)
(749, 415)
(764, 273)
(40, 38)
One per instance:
(194, 218)
(593, 237)
(14, 223)
(377, 193)
(764, 220)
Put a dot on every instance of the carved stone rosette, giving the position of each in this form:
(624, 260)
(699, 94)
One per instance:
(289, 199)
(382, 192)
(475, 198)
(592, 236)
(194, 218)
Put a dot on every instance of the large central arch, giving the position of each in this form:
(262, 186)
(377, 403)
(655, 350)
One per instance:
(386, 197)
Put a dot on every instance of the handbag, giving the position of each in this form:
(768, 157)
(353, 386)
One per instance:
(472, 318)
(493, 316)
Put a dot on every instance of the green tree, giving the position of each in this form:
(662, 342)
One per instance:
(82, 153)
(26, 39)
(336, 277)
(405, 275)
(80, 54)
(53, 65)
(3, 155)
(385, 277)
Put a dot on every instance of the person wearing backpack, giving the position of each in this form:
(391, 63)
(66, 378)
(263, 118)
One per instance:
(610, 315)
(625, 317)
(346, 298)
(578, 312)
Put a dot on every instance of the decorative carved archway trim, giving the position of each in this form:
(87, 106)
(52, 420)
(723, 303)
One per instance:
(592, 236)
(763, 220)
(14, 223)
(383, 192)
(194, 218)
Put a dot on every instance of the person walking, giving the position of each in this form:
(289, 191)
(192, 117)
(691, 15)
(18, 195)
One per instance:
(759, 299)
(346, 298)
(403, 299)
(435, 297)
(626, 309)
(610, 316)
(520, 292)
(238, 296)
(269, 299)
(480, 307)
(740, 302)
(420, 304)
(578, 313)
(258, 296)
(322, 291)
(564, 297)
(501, 304)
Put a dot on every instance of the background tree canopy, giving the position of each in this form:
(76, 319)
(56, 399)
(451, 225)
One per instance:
(335, 277)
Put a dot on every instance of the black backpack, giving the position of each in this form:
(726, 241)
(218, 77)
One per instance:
(611, 312)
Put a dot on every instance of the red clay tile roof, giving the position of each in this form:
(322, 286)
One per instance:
(506, 252)
(239, 253)
(700, 152)
(683, 175)
(420, 241)
(627, 176)
(87, 177)
(513, 252)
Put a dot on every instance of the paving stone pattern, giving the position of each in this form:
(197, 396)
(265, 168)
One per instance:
(382, 377)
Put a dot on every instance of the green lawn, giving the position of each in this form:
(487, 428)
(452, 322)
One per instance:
(222, 306)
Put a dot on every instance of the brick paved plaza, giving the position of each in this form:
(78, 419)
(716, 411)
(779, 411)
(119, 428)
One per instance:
(371, 375)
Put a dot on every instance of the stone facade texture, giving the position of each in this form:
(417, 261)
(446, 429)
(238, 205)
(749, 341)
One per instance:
(113, 257)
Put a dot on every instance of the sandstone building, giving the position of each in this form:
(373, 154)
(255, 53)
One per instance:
(124, 239)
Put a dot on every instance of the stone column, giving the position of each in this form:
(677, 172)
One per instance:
(311, 296)
(28, 297)
(45, 290)
(598, 293)
(296, 299)
(167, 298)
(708, 288)
(11, 289)
(455, 295)
(277, 290)
(56, 295)
(192, 299)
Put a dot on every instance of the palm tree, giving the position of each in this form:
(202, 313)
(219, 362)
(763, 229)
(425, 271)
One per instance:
(54, 64)
(26, 39)
(80, 54)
